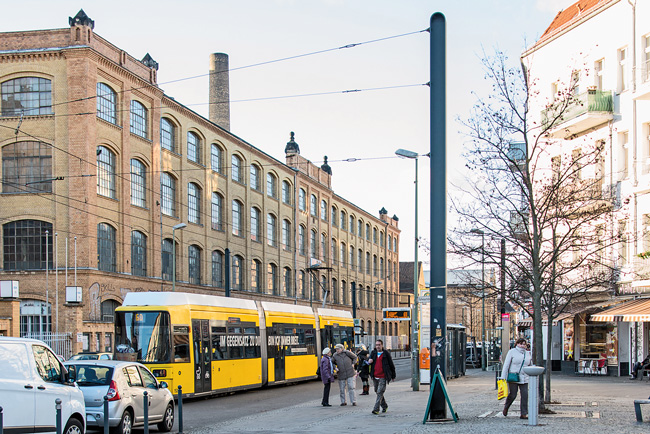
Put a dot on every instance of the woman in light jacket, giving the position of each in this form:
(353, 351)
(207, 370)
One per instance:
(516, 360)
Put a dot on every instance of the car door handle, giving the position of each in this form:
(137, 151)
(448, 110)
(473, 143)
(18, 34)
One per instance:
(28, 386)
(41, 387)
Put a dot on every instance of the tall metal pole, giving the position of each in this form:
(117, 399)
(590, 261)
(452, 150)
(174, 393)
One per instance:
(56, 279)
(75, 262)
(174, 259)
(415, 371)
(438, 225)
(483, 352)
(47, 275)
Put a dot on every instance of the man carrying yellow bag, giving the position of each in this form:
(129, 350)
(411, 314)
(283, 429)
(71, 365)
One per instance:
(503, 389)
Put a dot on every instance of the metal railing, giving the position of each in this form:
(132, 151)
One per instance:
(592, 101)
(61, 343)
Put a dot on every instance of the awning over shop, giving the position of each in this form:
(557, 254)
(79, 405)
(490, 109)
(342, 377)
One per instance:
(631, 311)
(528, 322)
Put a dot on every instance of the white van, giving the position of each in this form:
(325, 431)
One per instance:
(31, 379)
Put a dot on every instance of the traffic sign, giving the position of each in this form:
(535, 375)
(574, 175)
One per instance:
(424, 299)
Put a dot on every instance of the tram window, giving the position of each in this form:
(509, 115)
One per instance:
(235, 352)
(181, 347)
(250, 330)
(234, 330)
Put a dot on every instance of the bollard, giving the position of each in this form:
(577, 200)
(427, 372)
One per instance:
(145, 404)
(533, 393)
(1, 421)
(180, 409)
(106, 427)
(57, 401)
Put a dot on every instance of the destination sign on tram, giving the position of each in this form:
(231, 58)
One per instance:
(397, 314)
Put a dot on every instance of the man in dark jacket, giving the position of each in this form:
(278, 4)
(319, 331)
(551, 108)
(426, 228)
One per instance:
(382, 371)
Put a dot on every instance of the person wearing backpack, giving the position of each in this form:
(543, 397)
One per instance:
(513, 373)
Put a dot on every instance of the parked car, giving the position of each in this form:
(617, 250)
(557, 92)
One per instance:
(31, 379)
(92, 356)
(124, 384)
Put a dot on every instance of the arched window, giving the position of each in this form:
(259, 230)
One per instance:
(374, 235)
(217, 269)
(138, 253)
(369, 298)
(168, 194)
(286, 234)
(351, 225)
(302, 285)
(368, 269)
(302, 200)
(335, 253)
(287, 286)
(382, 299)
(193, 147)
(344, 220)
(25, 244)
(216, 158)
(106, 103)
(237, 278)
(27, 167)
(360, 228)
(271, 185)
(344, 292)
(255, 177)
(194, 264)
(314, 206)
(374, 266)
(167, 252)
(382, 268)
(256, 222)
(29, 96)
(360, 260)
(286, 193)
(390, 242)
(167, 135)
(367, 232)
(237, 219)
(312, 244)
(383, 328)
(271, 230)
(369, 327)
(194, 203)
(335, 216)
(105, 172)
(324, 287)
(352, 257)
(138, 183)
(323, 246)
(335, 291)
(344, 253)
(107, 309)
(382, 239)
(106, 254)
(217, 211)
(139, 119)
(256, 275)
(323, 209)
(272, 282)
(236, 169)
(301, 240)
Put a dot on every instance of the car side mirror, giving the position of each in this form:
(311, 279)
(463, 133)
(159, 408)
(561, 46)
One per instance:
(163, 385)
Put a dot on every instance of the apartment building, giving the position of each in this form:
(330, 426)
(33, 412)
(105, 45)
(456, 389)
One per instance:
(110, 186)
(599, 50)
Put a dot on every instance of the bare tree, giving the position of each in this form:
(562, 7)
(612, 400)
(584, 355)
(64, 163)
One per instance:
(545, 198)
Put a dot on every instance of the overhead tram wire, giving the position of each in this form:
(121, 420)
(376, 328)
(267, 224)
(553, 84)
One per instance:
(268, 62)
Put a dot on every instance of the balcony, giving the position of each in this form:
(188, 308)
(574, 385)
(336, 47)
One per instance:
(643, 85)
(590, 109)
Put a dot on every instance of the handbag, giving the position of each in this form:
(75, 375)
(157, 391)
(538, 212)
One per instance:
(503, 389)
(513, 377)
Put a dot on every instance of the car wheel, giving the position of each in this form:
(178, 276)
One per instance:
(74, 427)
(126, 424)
(168, 419)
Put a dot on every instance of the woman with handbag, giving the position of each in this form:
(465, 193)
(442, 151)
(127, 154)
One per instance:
(517, 380)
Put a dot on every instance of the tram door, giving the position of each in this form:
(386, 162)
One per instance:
(277, 349)
(202, 355)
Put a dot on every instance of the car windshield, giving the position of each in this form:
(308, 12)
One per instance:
(84, 357)
(144, 334)
(91, 375)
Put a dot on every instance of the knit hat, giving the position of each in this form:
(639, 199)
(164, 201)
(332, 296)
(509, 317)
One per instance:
(326, 351)
(337, 346)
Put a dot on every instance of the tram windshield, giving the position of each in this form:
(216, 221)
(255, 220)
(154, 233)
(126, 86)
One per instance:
(145, 335)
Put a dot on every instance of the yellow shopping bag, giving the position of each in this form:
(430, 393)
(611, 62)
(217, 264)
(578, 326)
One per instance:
(503, 389)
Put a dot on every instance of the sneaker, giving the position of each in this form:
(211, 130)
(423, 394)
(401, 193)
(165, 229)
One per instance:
(375, 412)
(343, 403)
(384, 410)
(523, 416)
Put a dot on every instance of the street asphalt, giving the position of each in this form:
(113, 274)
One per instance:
(581, 405)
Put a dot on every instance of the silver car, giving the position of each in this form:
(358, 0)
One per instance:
(123, 383)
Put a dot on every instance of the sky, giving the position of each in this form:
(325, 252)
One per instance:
(369, 125)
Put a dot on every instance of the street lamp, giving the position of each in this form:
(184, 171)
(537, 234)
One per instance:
(375, 328)
(482, 234)
(415, 373)
(178, 226)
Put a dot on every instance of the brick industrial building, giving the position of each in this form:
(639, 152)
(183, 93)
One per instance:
(97, 158)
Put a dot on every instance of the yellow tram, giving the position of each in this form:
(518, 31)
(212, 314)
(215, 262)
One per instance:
(211, 344)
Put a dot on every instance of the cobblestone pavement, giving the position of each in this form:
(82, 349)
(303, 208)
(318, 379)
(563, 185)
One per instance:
(582, 405)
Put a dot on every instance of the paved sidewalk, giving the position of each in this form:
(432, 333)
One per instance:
(586, 405)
